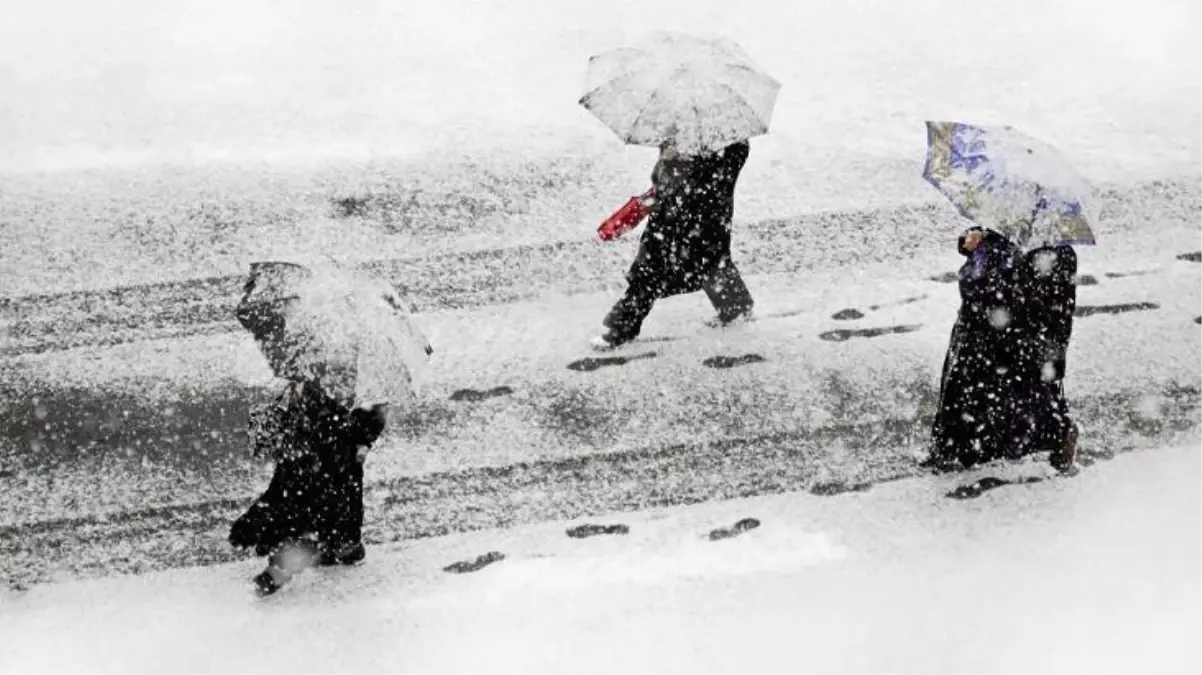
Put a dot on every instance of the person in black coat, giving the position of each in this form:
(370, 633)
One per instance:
(1053, 299)
(686, 245)
(1001, 392)
(312, 511)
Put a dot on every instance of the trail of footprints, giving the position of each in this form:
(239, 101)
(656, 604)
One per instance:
(725, 362)
(971, 490)
(742, 526)
(588, 530)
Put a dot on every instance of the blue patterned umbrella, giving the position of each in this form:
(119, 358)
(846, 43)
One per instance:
(1009, 182)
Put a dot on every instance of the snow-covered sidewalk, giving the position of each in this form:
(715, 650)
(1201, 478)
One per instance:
(806, 379)
(1097, 573)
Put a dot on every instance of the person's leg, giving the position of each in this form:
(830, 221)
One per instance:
(341, 535)
(280, 525)
(625, 319)
(270, 520)
(1064, 445)
(290, 558)
(728, 293)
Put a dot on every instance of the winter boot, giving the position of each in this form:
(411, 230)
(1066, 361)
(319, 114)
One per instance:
(270, 580)
(608, 342)
(731, 318)
(350, 554)
(286, 562)
(1063, 457)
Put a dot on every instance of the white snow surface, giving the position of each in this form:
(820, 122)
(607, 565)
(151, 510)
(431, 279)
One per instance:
(152, 141)
(1096, 573)
(672, 398)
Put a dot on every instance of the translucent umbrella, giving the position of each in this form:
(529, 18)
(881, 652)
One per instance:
(349, 332)
(698, 94)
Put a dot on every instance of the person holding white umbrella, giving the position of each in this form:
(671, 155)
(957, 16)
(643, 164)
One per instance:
(698, 101)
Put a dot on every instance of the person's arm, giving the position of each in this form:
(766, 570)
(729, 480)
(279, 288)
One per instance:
(989, 283)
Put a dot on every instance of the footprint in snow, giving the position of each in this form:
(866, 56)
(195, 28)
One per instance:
(1087, 280)
(983, 485)
(473, 395)
(899, 303)
(849, 314)
(830, 489)
(1090, 310)
(1137, 273)
(946, 278)
(844, 334)
(592, 530)
(1195, 256)
(591, 363)
(744, 525)
(479, 563)
(721, 362)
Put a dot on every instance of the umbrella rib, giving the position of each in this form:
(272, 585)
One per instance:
(642, 111)
(747, 111)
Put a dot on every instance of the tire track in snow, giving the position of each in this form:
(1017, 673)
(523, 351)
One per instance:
(435, 504)
(462, 280)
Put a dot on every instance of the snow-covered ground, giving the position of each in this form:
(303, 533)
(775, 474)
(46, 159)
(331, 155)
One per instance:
(806, 380)
(151, 141)
(1096, 573)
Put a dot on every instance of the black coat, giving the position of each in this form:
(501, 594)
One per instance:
(687, 236)
(317, 488)
(1001, 389)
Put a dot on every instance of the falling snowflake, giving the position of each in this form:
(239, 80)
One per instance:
(1044, 262)
(1048, 372)
(999, 318)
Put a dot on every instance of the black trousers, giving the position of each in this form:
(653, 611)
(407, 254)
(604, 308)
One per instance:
(725, 289)
(307, 500)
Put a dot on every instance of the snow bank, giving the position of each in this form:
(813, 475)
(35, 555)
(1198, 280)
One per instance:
(1095, 573)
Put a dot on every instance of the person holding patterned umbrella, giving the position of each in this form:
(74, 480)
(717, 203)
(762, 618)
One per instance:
(1002, 385)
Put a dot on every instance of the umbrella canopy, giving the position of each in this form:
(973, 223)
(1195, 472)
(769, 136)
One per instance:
(1009, 182)
(698, 94)
(345, 330)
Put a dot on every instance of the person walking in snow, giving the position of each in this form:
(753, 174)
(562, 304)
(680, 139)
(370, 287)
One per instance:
(312, 511)
(1001, 392)
(686, 244)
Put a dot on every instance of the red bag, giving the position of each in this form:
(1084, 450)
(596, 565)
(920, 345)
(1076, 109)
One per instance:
(626, 218)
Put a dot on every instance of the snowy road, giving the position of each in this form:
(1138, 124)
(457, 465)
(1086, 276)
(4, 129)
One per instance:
(132, 457)
(492, 275)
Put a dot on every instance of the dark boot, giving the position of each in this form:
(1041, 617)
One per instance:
(270, 580)
(729, 295)
(1064, 456)
(286, 562)
(625, 320)
(349, 554)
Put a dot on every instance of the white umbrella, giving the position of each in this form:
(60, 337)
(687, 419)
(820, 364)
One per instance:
(698, 94)
(349, 332)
